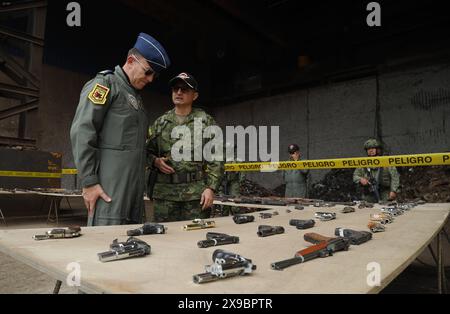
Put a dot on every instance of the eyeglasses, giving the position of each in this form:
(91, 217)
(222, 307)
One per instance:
(149, 71)
(184, 89)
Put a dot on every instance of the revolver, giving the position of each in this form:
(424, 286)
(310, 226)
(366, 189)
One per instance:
(120, 250)
(375, 226)
(148, 228)
(59, 233)
(302, 224)
(226, 264)
(199, 224)
(242, 219)
(214, 239)
(265, 231)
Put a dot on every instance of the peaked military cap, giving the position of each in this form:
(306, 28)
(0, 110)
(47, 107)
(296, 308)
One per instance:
(153, 52)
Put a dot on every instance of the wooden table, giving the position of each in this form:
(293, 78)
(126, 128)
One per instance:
(175, 257)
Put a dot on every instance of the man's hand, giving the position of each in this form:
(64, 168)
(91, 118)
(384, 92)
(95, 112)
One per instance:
(160, 163)
(364, 181)
(91, 195)
(392, 196)
(207, 198)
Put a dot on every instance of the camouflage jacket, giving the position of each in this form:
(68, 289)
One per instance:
(388, 179)
(159, 144)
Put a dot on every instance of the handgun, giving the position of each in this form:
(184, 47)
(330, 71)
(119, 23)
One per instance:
(302, 224)
(59, 233)
(242, 219)
(148, 228)
(198, 224)
(265, 231)
(133, 247)
(215, 239)
(225, 265)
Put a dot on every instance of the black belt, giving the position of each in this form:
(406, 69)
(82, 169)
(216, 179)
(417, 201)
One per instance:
(180, 177)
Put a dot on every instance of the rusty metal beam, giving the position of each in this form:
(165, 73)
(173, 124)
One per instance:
(16, 71)
(10, 7)
(18, 92)
(13, 141)
(22, 36)
(31, 105)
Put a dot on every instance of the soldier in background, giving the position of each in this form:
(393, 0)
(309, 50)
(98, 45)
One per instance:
(183, 190)
(296, 180)
(377, 184)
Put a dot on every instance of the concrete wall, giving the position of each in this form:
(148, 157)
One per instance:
(410, 107)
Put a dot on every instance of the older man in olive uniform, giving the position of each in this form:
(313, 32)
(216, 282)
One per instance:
(296, 180)
(377, 184)
(184, 189)
(109, 132)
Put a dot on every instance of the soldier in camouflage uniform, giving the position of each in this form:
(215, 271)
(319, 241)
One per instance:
(385, 180)
(109, 134)
(184, 190)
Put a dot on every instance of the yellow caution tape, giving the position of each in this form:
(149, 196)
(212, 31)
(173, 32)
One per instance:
(25, 174)
(69, 171)
(372, 162)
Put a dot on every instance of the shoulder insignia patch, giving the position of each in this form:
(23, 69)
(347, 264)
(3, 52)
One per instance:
(99, 94)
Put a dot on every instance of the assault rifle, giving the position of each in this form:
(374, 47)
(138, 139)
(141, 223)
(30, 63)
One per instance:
(225, 265)
(322, 249)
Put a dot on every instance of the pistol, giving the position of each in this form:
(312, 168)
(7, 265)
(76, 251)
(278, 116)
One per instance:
(120, 250)
(325, 216)
(302, 224)
(265, 231)
(59, 233)
(199, 224)
(355, 237)
(323, 248)
(215, 239)
(148, 228)
(242, 219)
(225, 265)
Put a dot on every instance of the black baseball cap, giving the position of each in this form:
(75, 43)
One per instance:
(293, 148)
(187, 78)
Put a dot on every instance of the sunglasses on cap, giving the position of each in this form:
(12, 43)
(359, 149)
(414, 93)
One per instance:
(147, 71)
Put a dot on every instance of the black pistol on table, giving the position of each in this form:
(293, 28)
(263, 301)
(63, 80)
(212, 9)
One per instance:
(215, 239)
(133, 247)
(148, 228)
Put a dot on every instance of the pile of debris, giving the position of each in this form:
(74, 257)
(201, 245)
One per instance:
(336, 186)
(431, 184)
(250, 188)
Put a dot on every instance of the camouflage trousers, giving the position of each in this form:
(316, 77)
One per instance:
(384, 196)
(166, 211)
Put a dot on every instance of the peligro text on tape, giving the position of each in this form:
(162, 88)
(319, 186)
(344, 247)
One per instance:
(28, 174)
(434, 159)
